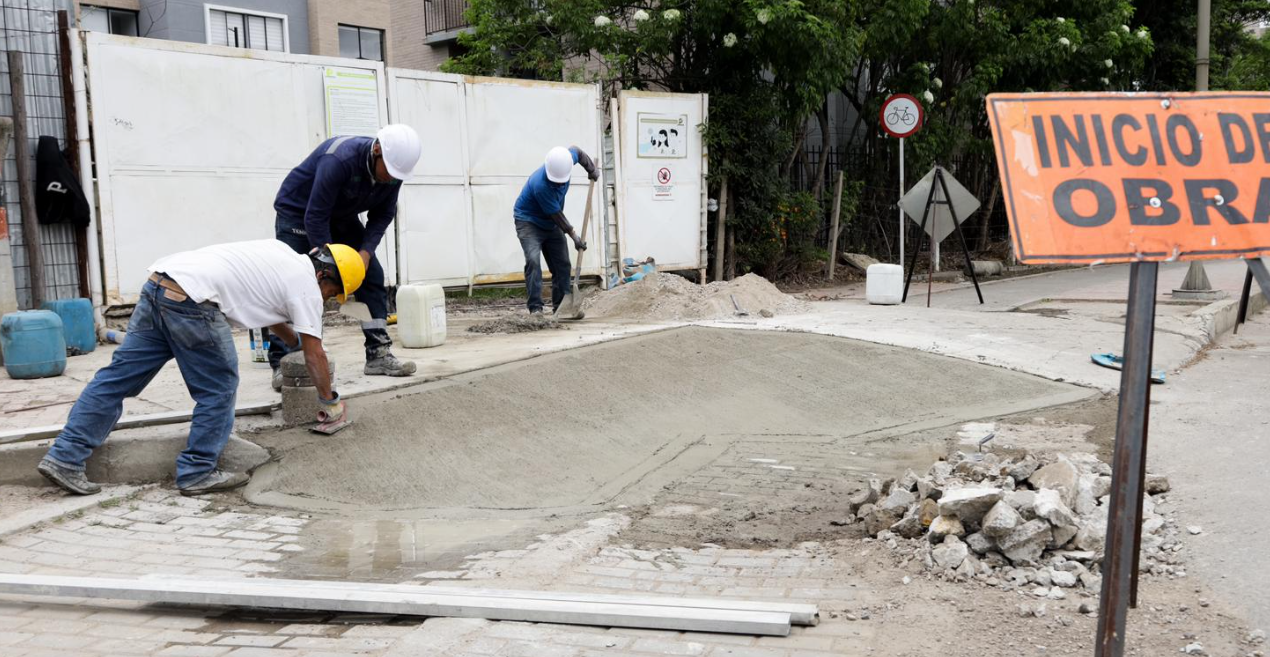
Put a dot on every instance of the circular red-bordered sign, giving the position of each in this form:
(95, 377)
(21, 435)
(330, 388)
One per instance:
(901, 115)
(663, 176)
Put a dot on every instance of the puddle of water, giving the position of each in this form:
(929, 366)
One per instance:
(394, 550)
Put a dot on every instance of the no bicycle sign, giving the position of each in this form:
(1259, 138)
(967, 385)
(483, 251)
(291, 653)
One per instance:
(1092, 177)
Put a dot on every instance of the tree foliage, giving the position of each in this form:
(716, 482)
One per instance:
(770, 67)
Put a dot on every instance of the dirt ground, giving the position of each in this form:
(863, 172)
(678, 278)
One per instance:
(16, 499)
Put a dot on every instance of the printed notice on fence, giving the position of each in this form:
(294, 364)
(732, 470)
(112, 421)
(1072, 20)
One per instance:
(352, 101)
(1103, 177)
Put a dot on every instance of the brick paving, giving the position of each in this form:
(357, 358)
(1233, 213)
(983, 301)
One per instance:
(158, 532)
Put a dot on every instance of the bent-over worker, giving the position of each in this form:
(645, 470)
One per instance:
(319, 202)
(541, 225)
(185, 312)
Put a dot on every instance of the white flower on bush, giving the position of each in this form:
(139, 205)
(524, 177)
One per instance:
(1124, 28)
(729, 40)
(640, 15)
(1108, 63)
(671, 14)
(1142, 34)
(603, 21)
(1064, 41)
(1061, 20)
(928, 96)
(1105, 82)
(764, 15)
(939, 84)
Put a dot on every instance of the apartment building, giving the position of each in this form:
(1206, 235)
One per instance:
(398, 32)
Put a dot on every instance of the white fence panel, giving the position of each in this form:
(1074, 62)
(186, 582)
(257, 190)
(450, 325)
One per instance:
(661, 182)
(192, 142)
(489, 135)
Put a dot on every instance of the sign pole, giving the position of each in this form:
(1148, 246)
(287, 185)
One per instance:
(902, 224)
(1127, 467)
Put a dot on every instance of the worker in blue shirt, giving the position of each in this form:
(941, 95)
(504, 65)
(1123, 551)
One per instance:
(319, 203)
(542, 226)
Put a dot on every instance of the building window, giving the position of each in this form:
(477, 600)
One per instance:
(227, 26)
(108, 20)
(361, 43)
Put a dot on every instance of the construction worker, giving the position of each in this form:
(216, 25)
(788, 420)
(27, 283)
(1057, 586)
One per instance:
(542, 226)
(185, 312)
(320, 201)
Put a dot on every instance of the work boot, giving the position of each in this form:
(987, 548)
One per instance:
(217, 480)
(389, 365)
(71, 481)
(277, 380)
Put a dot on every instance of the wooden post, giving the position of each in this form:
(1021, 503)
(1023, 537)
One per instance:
(72, 140)
(721, 228)
(26, 191)
(833, 225)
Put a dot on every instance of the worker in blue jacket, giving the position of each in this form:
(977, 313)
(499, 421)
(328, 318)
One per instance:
(319, 203)
(542, 226)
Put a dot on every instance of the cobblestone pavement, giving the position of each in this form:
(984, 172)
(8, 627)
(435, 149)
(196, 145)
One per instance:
(157, 533)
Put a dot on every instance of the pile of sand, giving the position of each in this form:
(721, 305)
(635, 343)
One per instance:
(664, 296)
(516, 323)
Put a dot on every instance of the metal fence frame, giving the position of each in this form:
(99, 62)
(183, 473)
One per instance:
(30, 26)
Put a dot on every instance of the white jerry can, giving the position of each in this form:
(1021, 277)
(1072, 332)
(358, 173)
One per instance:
(421, 316)
(884, 284)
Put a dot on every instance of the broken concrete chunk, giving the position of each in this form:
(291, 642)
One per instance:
(969, 504)
(908, 482)
(927, 490)
(898, 501)
(880, 520)
(1027, 542)
(1091, 537)
(1102, 487)
(944, 526)
(1152, 525)
(1022, 501)
(1062, 578)
(1049, 505)
(1157, 484)
(1023, 469)
(1061, 476)
(979, 544)
(940, 471)
(870, 494)
(967, 568)
(1086, 500)
(927, 511)
(909, 527)
(1001, 519)
(1063, 535)
(950, 554)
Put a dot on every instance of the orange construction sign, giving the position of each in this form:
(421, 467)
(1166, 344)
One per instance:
(1124, 177)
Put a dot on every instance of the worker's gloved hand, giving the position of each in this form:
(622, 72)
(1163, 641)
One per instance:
(332, 410)
(578, 243)
(593, 174)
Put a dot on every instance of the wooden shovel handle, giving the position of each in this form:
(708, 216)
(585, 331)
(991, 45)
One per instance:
(586, 221)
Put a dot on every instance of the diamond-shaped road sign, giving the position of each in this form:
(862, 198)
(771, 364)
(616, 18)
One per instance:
(939, 224)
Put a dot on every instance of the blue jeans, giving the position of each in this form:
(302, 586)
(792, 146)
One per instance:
(202, 343)
(539, 243)
(373, 292)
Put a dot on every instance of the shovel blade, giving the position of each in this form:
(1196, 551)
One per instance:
(571, 307)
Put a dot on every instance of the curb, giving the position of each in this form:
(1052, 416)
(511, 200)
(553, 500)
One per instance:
(20, 522)
(1219, 317)
(135, 456)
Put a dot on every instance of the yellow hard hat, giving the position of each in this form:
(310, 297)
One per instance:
(352, 271)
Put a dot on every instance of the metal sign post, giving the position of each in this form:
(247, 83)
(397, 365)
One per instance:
(1256, 269)
(931, 212)
(901, 116)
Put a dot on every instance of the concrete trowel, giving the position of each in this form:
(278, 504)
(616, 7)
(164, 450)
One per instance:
(571, 305)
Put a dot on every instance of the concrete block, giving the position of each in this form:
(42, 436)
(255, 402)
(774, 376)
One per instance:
(293, 365)
(299, 406)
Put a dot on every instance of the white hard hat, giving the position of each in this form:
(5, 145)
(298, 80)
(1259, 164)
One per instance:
(559, 164)
(401, 149)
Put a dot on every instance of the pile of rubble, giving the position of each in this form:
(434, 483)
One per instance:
(1012, 522)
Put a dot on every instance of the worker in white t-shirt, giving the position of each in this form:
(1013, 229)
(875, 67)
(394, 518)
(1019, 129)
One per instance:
(185, 312)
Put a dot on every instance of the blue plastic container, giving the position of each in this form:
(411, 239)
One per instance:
(77, 323)
(33, 344)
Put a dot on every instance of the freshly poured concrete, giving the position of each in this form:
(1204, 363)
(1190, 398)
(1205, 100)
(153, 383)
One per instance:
(612, 422)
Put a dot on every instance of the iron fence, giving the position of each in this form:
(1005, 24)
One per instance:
(30, 26)
(442, 16)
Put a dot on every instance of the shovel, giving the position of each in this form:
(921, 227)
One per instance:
(571, 305)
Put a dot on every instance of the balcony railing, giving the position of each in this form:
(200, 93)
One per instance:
(441, 16)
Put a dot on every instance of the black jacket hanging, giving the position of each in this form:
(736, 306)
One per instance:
(58, 195)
